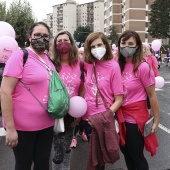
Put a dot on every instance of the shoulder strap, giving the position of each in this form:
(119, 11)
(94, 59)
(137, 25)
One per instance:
(25, 56)
(98, 90)
(2, 65)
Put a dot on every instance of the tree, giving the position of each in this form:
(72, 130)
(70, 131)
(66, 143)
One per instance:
(160, 19)
(81, 33)
(113, 37)
(20, 16)
(2, 11)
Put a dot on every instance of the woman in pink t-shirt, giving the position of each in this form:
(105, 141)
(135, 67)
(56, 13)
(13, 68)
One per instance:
(65, 57)
(151, 59)
(138, 83)
(29, 127)
(100, 65)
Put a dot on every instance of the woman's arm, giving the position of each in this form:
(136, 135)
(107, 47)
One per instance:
(117, 103)
(7, 87)
(154, 106)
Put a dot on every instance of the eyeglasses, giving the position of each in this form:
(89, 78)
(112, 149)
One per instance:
(39, 35)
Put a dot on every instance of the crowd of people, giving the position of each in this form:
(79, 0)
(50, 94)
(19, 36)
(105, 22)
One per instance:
(115, 86)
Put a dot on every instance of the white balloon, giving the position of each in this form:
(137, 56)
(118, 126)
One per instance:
(159, 82)
(156, 45)
(113, 46)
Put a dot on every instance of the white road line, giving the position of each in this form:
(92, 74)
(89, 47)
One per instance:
(156, 89)
(164, 128)
(167, 81)
(2, 132)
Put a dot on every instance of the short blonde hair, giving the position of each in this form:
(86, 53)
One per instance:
(147, 49)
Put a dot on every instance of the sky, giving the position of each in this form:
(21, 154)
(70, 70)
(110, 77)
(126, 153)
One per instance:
(42, 7)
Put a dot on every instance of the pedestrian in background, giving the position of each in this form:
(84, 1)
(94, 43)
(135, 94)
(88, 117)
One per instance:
(150, 59)
(29, 127)
(103, 96)
(65, 57)
(168, 56)
(138, 83)
(79, 129)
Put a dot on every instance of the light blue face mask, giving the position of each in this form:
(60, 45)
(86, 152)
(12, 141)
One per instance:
(128, 51)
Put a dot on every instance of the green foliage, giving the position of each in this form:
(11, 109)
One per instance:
(20, 16)
(81, 33)
(113, 37)
(164, 48)
(160, 19)
(2, 11)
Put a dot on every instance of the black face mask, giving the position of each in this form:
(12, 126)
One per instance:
(40, 44)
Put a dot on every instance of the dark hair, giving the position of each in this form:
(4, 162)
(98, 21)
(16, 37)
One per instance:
(87, 47)
(138, 56)
(31, 29)
(73, 53)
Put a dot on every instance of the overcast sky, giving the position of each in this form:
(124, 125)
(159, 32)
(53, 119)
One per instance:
(42, 7)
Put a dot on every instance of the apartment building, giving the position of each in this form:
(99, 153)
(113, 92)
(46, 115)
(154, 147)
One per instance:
(128, 14)
(98, 15)
(91, 14)
(85, 16)
(49, 21)
(69, 15)
(64, 17)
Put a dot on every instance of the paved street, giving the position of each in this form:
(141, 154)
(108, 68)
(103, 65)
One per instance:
(79, 155)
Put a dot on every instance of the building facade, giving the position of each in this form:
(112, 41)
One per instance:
(128, 14)
(69, 15)
(64, 17)
(91, 14)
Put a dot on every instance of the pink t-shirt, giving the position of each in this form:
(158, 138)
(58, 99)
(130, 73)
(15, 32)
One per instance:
(134, 86)
(153, 63)
(109, 83)
(71, 78)
(28, 114)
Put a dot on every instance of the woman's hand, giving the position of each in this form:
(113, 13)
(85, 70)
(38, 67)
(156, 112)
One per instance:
(11, 138)
(154, 127)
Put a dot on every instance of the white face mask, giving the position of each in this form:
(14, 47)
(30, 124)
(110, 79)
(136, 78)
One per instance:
(98, 52)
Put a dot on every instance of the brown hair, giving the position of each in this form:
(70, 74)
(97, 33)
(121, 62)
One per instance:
(31, 29)
(87, 47)
(138, 56)
(73, 53)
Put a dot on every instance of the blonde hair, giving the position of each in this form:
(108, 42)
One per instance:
(147, 50)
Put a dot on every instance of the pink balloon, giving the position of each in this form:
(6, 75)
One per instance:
(156, 45)
(6, 29)
(7, 46)
(159, 82)
(78, 107)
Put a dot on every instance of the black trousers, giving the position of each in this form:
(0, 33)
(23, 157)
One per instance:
(133, 150)
(33, 147)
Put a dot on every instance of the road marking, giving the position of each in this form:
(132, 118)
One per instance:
(164, 128)
(2, 132)
(156, 89)
(167, 81)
